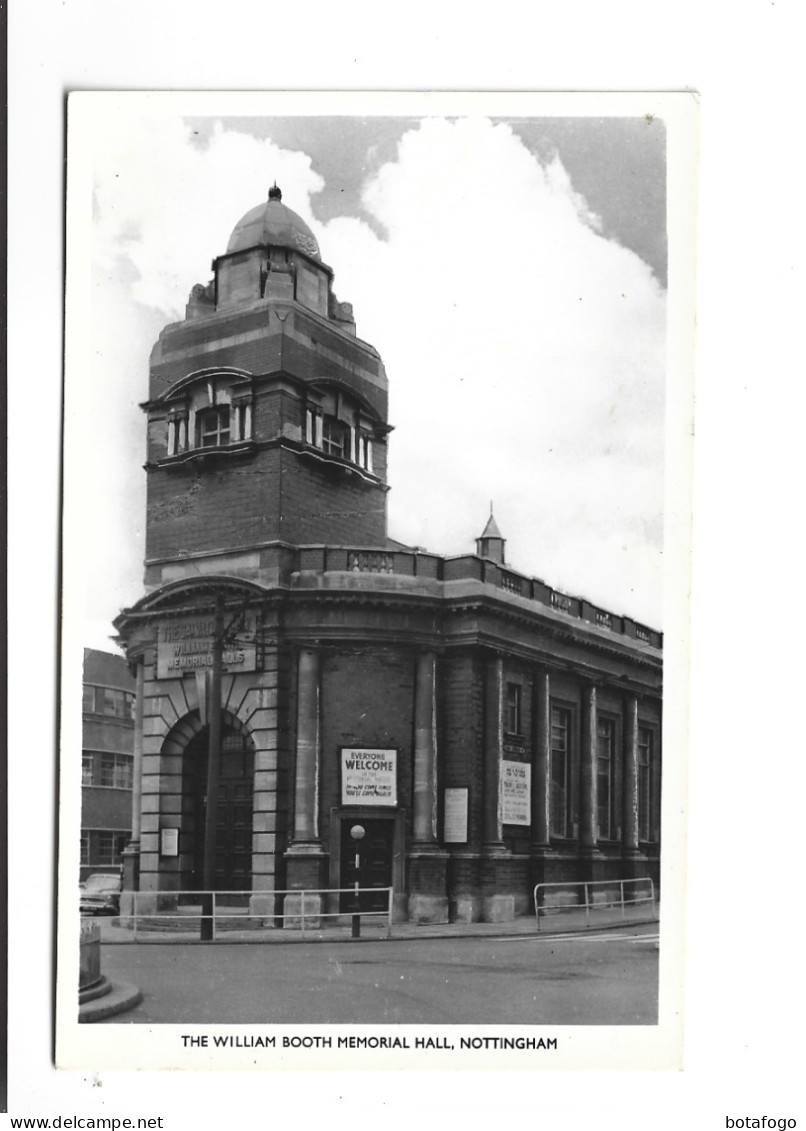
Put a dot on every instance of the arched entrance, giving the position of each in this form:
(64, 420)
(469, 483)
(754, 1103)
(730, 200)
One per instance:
(233, 865)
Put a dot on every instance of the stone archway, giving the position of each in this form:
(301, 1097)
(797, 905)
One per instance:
(188, 740)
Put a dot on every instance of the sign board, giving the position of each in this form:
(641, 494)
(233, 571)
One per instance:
(169, 842)
(455, 823)
(516, 791)
(368, 777)
(185, 644)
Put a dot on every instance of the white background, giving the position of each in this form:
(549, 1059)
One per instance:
(744, 950)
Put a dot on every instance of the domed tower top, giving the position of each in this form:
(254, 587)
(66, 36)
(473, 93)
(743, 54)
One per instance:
(272, 256)
(273, 224)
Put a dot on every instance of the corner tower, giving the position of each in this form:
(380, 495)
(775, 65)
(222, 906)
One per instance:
(267, 415)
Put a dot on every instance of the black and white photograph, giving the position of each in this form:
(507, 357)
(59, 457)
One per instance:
(369, 638)
(563, 330)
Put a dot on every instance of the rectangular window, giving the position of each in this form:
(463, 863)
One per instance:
(335, 437)
(644, 782)
(560, 769)
(85, 847)
(108, 847)
(116, 771)
(212, 427)
(86, 767)
(112, 701)
(513, 715)
(605, 751)
(108, 701)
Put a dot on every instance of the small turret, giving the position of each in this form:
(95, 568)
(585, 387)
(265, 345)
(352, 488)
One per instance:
(491, 543)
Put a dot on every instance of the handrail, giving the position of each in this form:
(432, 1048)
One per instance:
(219, 912)
(589, 905)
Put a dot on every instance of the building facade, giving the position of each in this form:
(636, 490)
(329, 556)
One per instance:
(107, 759)
(485, 731)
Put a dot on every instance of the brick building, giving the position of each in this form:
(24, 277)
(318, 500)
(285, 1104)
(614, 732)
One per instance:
(106, 761)
(486, 731)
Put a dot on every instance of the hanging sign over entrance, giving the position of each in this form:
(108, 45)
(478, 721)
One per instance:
(516, 780)
(186, 645)
(368, 777)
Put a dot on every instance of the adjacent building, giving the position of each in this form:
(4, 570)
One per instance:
(106, 761)
(485, 731)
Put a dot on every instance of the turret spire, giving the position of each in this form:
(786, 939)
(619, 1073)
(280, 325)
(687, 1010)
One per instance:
(491, 543)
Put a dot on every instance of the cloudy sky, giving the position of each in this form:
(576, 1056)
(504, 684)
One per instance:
(511, 272)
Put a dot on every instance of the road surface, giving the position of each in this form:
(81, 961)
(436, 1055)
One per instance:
(609, 978)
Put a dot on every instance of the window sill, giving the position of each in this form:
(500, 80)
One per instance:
(339, 463)
(226, 451)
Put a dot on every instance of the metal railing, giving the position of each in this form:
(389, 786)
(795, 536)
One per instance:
(597, 895)
(299, 917)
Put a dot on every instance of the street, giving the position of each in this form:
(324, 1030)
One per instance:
(609, 978)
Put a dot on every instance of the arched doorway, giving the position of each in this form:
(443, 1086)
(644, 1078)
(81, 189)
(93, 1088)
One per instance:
(233, 865)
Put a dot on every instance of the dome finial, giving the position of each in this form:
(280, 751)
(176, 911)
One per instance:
(274, 192)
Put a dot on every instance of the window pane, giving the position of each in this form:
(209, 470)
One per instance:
(89, 698)
(644, 782)
(605, 730)
(335, 436)
(560, 727)
(212, 427)
(86, 769)
(513, 720)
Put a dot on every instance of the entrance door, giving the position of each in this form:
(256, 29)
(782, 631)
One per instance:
(374, 861)
(233, 863)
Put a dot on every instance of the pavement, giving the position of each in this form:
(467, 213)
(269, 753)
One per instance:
(184, 929)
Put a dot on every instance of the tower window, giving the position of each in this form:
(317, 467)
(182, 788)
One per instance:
(335, 437)
(213, 427)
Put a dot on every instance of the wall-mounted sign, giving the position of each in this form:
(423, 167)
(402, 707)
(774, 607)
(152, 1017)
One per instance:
(368, 777)
(169, 842)
(455, 823)
(186, 645)
(516, 792)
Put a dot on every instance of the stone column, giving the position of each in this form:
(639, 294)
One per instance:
(590, 814)
(306, 774)
(592, 862)
(305, 856)
(542, 870)
(630, 802)
(634, 863)
(493, 737)
(428, 899)
(425, 751)
(131, 854)
(498, 899)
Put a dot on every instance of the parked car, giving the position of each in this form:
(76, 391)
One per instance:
(100, 894)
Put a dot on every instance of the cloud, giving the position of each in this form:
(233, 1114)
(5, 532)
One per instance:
(525, 352)
(526, 361)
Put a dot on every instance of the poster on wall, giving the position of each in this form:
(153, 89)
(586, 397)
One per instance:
(516, 788)
(455, 824)
(368, 777)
